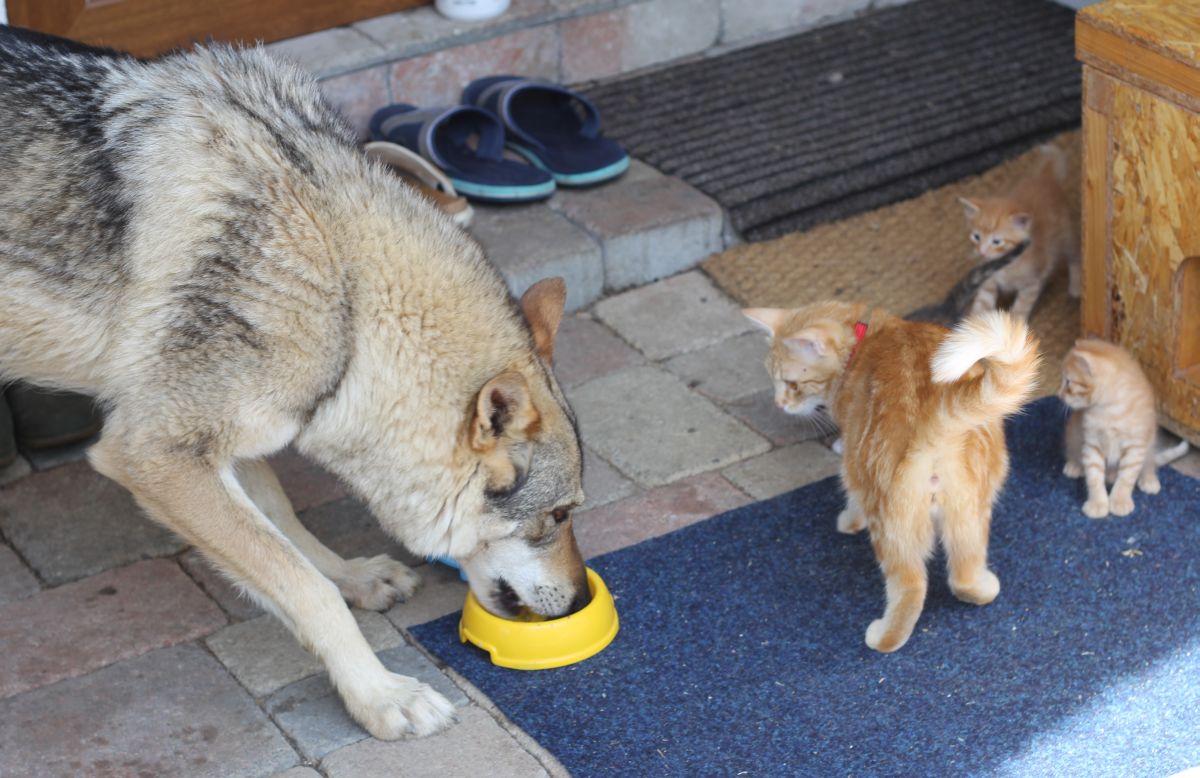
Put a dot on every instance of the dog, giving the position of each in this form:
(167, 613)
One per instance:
(196, 241)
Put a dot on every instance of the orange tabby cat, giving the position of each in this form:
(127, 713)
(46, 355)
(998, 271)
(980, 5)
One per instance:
(1035, 216)
(921, 411)
(1111, 430)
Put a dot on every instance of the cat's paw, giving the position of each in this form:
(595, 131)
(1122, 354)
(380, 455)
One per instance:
(1120, 506)
(1073, 470)
(1149, 484)
(838, 447)
(851, 522)
(1096, 508)
(981, 591)
(879, 639)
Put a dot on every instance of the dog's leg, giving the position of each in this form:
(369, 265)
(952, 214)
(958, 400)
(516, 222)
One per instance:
(373, 583)
(209, 508)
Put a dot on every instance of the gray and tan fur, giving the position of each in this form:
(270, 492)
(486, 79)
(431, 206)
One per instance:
(197, 242)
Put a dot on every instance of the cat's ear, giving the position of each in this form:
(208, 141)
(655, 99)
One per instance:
(1082, 362)
(767, 319)
(1022, 221)
(807, 344)
(970, 207)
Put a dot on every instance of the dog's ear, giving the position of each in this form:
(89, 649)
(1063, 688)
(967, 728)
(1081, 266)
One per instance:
(543, 306)
(503, 409)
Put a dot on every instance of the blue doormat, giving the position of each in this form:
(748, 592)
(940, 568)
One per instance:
(741, 645)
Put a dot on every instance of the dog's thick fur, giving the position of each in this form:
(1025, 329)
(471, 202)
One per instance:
(197, 242)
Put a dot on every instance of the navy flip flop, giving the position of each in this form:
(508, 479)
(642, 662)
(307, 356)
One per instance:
(554, 128)
(468, 145)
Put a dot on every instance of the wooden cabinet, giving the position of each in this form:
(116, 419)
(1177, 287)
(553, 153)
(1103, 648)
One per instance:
(1141, 198)
(148, 27)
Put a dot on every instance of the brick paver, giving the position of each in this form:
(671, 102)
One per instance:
(313, 716)
(760, 413)
(603, 483)
(350, 529)
(16, 580)
(649, 226)
(72, 522)
(728, 371)
(680, 314)
(264, 656)
(171, 712)
(783, 469)
(236, 605)
(655, 513)
(442, 591)
(652, 428)
(74, 629)
(532, 242)
(475, 746)
(306, 483)
(586, 349)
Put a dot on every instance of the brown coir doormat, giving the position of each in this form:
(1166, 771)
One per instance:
(900, 257)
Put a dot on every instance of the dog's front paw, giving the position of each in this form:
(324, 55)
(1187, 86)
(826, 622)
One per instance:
(1096, 508)
(1073, 470)
(1120, 506)
(375, 584)
(400, 706)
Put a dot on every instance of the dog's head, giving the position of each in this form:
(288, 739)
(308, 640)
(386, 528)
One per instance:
(522, 436)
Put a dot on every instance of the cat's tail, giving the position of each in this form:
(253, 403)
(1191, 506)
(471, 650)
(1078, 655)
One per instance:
(1169, 455)
(1008, 377)
(1055, 159)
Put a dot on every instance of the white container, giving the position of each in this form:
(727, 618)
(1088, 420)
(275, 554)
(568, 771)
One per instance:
(471, 10)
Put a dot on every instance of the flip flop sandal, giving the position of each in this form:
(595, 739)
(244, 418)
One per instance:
(430, 182)
(468, 144)
(553, 127)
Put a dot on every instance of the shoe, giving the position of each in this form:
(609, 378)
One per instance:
(430, 182)
(553, 127)
(468, 145)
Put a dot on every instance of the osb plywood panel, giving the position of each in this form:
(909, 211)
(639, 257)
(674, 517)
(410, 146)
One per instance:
(1155, 190)
(1170, 27)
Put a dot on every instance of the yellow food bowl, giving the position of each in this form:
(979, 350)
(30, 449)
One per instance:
(532, 642)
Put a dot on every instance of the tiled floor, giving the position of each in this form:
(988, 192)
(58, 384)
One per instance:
(124, 654)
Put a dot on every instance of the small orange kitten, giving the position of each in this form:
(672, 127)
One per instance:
(921, 411)
(1111, 430)
(1033, 221)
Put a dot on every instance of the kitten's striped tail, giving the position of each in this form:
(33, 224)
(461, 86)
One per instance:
(1169, 455)
(1009, 377)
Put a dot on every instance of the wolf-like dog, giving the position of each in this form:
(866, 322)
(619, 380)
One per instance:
(197, 242)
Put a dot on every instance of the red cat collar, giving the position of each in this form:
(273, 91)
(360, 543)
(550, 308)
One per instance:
(860, 332)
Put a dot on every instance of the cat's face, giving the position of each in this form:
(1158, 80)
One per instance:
(801, 361)
(1078, 380)
(995, 226)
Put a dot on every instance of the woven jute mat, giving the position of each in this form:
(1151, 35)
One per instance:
(900, 257)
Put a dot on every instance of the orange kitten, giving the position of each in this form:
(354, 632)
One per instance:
(1111, 430)
(921, 411)
(1034, 215)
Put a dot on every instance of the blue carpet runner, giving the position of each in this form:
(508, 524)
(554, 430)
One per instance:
(741, 646)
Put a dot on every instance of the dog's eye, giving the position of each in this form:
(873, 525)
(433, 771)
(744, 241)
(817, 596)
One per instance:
(560, 515)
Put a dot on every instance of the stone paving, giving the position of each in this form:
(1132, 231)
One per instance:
(125, 654)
